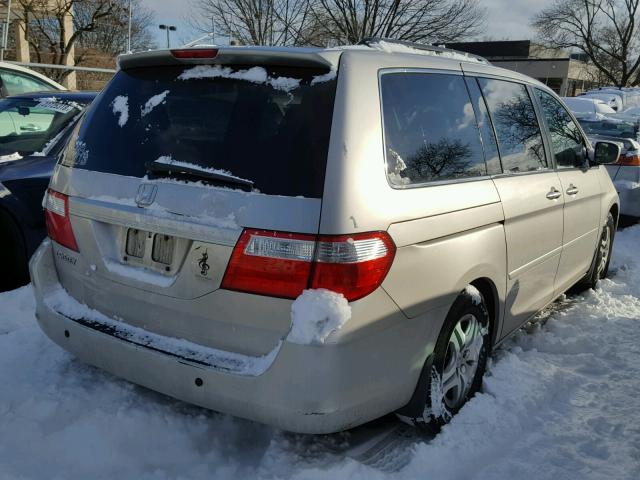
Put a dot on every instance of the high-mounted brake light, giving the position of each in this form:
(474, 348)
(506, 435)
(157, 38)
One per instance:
(58, 221)
(627, 160)
(195, 53)
(284, 264)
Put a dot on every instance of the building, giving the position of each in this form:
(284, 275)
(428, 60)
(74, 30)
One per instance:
(567, 74)
(10, 15)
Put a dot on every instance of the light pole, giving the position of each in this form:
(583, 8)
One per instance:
(129, 37)
(168, 28)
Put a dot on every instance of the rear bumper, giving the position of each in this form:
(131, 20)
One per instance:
(308, 389)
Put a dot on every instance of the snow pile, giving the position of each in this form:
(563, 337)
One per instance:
(560, 401)
(253, 75)
(120, 106)
(153, 102)
(316, 314)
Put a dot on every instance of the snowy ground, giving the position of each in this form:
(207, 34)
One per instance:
(560, 402)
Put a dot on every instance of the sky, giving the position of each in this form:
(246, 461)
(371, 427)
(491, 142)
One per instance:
(506, 19)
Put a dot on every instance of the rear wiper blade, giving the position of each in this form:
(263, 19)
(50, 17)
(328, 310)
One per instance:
(181, 171)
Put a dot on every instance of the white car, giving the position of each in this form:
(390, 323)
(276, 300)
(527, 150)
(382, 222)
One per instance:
(630, 98)
(614, 100)
(16, 80)
(587, 107)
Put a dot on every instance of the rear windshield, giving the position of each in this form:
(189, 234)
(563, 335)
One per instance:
(267, 125)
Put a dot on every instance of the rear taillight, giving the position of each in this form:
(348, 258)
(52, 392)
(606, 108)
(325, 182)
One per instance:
(629, 160)
(284, 264)
(195, 53)
(57, 218)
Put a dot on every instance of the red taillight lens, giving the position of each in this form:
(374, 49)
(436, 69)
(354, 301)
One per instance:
(270, 263)
(629, 160)
(354, 265)
(57, 218)
(195, 53)
(284, 264)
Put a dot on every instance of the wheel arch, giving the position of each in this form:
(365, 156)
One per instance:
(489, 292)
(614, 209)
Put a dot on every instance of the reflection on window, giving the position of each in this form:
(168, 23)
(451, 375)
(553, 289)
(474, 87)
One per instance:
(566, 140)
(430, 128)
(517, 129)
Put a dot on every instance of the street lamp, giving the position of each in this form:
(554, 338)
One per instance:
(129, 28)
(168, 28)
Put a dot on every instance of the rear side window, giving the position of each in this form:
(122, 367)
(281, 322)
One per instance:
(516, 125)
(267, 125)
(430, 128)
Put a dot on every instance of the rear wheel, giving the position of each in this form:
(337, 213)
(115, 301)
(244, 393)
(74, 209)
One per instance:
(13, 255)
(458, 362)
(602, 256)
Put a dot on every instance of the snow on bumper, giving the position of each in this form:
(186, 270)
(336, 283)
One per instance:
(304, 388)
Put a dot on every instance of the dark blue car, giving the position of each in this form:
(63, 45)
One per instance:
(33, 130)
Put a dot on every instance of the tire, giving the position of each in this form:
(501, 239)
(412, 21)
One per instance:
(13, 255)
(453, 374)
(601, 258)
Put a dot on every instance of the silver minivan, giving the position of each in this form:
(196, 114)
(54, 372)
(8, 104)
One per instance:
(314, 238)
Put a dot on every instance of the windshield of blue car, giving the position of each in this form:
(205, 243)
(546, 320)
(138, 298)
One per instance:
(609, 128)
(31, 126)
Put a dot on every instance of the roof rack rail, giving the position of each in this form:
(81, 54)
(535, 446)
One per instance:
(420, 46)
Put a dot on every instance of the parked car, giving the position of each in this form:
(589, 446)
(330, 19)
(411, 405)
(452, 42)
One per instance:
(314, 238)
(611, 99)
(33, 129)
(630, 97)
(625, 172)
(16, 80)
(587, 107)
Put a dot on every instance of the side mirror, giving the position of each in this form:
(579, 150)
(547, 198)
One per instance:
(606, 153)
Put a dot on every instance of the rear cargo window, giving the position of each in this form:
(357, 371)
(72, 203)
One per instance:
(267, 125)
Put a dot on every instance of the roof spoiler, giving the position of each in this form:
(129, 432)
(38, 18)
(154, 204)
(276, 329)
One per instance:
(299, 57)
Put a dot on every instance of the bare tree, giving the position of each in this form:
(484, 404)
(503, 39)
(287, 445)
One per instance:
(109, 36)
(50, 34)
(333, 22)
(349, 21)
(605, 30)
(255, 22)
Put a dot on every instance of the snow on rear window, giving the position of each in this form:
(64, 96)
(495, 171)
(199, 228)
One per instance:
(254, 75)
(327, 77)
(153, 102)
(120, 106)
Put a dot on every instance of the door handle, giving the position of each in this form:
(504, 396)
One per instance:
(554, 194)
(572, 190)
